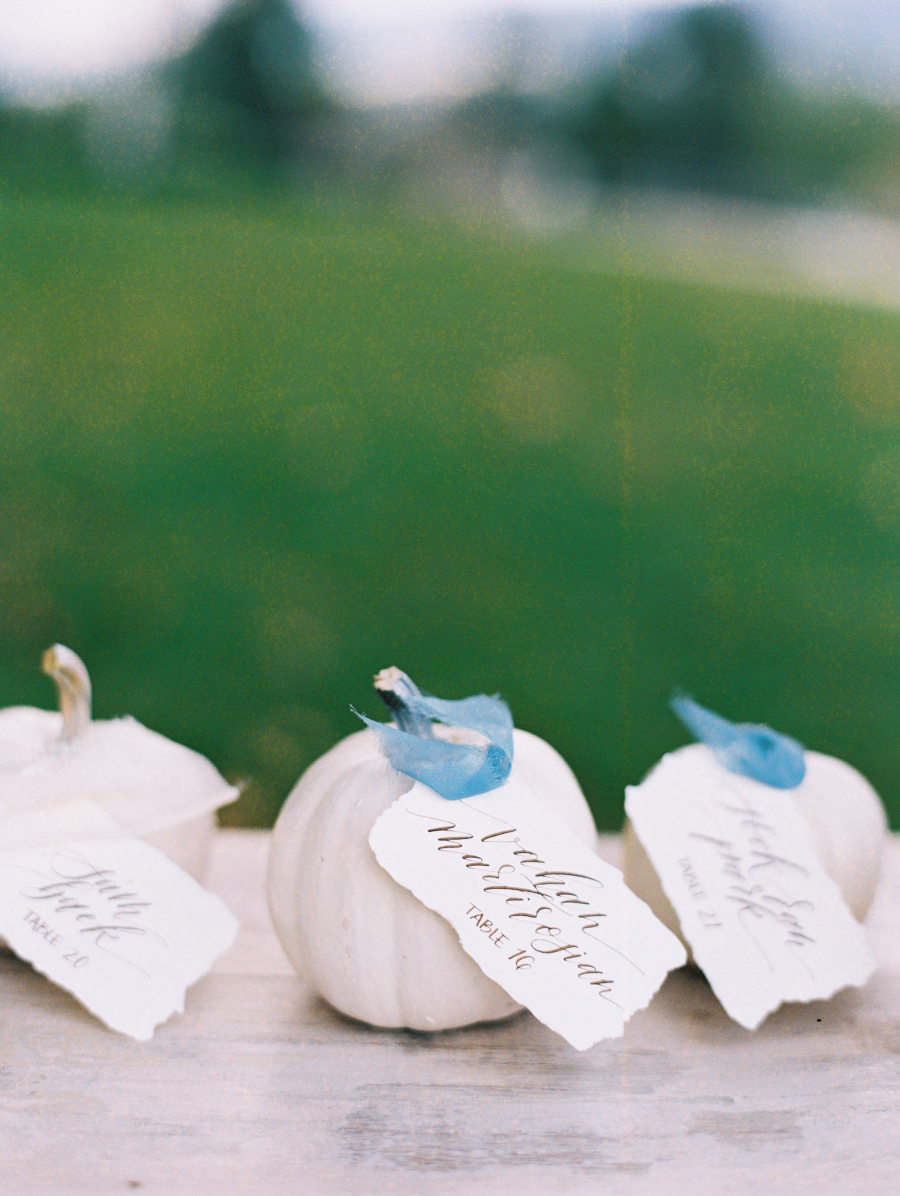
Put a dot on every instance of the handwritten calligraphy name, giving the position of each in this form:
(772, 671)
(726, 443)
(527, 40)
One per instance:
(560, 905)
(762, 881)
(92, 898)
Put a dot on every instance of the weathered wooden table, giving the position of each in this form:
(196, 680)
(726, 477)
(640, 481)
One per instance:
(260, 1087)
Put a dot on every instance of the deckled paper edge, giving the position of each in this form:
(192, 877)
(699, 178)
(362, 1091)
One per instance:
(179, 992)
(671, 940)
(870, 965)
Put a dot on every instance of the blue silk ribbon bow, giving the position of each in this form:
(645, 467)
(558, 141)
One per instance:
(744, 748)
(454, 770)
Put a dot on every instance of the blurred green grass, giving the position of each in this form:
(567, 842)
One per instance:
(251, 457)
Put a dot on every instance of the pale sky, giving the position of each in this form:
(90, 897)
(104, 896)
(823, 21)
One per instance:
(377, 51)
(365, 12)
(50, 49)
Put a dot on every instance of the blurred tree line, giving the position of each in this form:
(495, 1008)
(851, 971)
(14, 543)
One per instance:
(243, 102)
(247, 92)
(697, 102)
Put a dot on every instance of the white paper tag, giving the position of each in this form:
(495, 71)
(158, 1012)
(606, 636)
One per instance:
(116, 923)
(734, 857)
(540, 913)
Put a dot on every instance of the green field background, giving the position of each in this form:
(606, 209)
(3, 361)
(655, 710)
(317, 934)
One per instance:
(250, 457)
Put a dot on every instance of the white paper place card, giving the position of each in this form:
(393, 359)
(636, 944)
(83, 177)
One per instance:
(734, 857)
(540, 913)
(114, 922)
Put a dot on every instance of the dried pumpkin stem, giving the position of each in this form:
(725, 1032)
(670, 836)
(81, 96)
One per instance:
(74, 687)
(397, 691)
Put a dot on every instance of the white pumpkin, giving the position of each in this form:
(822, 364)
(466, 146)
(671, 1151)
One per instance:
(359, 939)
(62, 775)
(846, 821)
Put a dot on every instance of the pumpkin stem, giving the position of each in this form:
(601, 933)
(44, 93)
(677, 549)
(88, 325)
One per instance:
(395, 689)
(74, 687)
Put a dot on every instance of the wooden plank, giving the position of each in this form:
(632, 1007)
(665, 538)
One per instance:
(261, 1087)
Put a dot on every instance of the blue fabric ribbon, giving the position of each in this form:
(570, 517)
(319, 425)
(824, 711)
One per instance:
(744, 748)
(454, 770)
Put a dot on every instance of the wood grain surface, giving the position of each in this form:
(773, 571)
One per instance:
(260, 1087)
